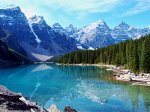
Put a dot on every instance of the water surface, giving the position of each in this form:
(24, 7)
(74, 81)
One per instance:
(85, 88)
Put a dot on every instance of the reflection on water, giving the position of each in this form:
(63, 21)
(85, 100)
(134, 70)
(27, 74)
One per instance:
(86, 88)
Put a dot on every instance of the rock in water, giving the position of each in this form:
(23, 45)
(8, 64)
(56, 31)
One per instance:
(69, 109)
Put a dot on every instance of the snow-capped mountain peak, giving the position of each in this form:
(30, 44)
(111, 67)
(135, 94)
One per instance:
(99, 23)
(10, 7)
(123, 26)
(95, 34)
(96, 26)
(36, 19)
(70, 28)
(58, 28)
(56, 25)
(123, 23)
(71, 31)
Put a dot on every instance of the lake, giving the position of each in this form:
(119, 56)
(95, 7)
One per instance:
(85, 88)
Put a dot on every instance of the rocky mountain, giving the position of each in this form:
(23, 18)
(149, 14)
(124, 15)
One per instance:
(120, 32)
(10, 58)
(96, 35)
(50, 42)
(35, 39)
(124, 32)
(71, 33)
(32, 38)
(15, 29)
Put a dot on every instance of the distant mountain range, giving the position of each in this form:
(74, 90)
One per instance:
(35, 39)
(98, 34)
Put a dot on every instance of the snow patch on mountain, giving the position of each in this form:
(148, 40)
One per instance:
(35, 53)
(2, 16)
(91, 48)
(80, 47)
(41, 57)
(37, 38)
(36, 19)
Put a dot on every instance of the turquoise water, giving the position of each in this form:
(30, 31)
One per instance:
(87, 89)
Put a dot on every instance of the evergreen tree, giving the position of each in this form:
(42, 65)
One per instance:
(145, 59)
(134, 54)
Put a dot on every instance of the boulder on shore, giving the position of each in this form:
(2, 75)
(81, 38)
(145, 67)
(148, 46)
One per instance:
(14, 102)
(69, 109)
(10, 101)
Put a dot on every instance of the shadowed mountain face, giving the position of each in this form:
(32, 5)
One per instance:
(32, 38)
(10, 58)
(14, 29)
(54, 43)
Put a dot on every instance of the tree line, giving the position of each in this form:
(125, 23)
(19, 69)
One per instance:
(133, 54)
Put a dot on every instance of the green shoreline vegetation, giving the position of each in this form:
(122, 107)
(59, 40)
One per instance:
(133, 54)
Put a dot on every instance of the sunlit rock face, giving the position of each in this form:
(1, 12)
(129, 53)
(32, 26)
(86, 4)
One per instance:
(96, 35)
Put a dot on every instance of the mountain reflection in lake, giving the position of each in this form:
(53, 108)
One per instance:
(85, 88)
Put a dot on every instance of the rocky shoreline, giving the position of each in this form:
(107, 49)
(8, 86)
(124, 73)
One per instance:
(14, 102)
(10, 101)
(123, 74)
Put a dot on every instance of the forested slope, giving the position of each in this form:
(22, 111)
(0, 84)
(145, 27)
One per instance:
(10, 58)
(133, 54)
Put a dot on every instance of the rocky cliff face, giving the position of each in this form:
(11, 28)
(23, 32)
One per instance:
(15, 28)
(51, 41)
(10, 101)
(33, 38)
(14, 102)
(10, 58)
(96, 35)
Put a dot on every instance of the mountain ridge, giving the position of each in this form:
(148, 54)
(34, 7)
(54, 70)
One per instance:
(98, 34)
(32, 37)
(35, 39)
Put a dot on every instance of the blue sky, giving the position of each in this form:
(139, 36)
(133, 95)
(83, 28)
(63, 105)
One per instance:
(84, 12)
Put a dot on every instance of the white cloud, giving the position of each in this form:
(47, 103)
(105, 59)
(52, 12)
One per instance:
(141, 6)
(77, 6)
(63, 10)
